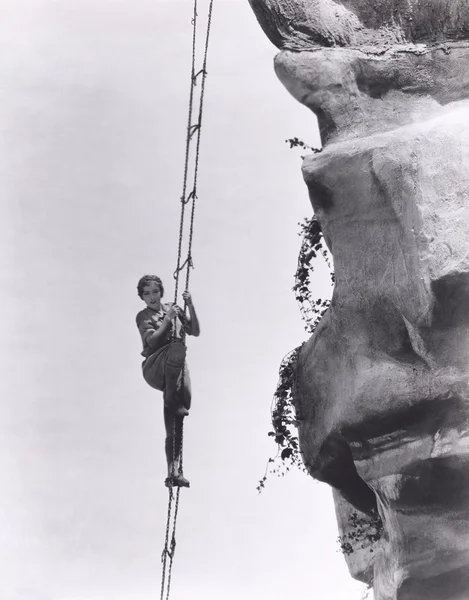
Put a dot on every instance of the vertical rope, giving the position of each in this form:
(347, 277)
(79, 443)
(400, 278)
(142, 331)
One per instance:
(173, 543)
(199, 133)
(187, 153)
(191, 129)
(164, 555)
(169, 551)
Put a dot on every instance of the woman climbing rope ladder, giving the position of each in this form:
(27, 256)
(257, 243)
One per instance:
(163, 328)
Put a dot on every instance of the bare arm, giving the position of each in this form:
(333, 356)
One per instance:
(193, 327)
(155, 338)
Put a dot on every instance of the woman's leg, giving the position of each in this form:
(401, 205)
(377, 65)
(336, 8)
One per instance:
(173, 370)
(184, 388)
(173, 443)
(166, 370)
(153, 369)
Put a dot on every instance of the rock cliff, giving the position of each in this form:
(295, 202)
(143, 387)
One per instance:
(382, 385)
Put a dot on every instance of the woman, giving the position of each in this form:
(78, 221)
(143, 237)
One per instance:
(163, 327)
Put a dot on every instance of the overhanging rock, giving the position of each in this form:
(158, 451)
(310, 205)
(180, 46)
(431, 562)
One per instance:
(382, 384)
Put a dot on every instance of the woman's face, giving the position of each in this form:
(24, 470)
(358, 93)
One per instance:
(152, 295)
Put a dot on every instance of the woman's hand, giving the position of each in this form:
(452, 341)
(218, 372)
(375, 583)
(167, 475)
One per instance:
(173, 312)
(187, 298)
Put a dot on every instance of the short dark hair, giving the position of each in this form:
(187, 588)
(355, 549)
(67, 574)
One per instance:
(145, 280)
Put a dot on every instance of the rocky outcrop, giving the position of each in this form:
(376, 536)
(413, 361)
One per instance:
(382, 385)
(302, 24)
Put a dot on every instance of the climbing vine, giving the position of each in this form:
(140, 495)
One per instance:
(284, 422)
(363, 531)
(297, 143)
(312, 309)
(285, 419)
(284, 416)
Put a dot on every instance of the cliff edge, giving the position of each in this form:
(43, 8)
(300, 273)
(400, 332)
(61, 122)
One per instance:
(382, 385)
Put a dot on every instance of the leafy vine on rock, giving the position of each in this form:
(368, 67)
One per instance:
(284, 415)
(312, 310)
(297, 143)
(363, 531)
(284, 421)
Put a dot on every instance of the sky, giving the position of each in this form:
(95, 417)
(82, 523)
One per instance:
(93, 109)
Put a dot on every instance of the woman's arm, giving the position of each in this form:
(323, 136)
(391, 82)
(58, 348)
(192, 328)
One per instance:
(157, 337)
(193, 326)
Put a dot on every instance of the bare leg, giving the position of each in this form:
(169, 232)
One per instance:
(184, 388)
(173, 426)
(173, 374)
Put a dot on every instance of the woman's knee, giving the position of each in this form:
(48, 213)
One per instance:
(154, 382)
(176, 354)
(186, 393)
(153, 375)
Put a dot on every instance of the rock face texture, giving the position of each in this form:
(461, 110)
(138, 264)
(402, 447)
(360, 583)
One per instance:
(302, 24)
(383, 384)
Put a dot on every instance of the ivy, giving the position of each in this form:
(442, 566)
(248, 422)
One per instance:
(284, 422)
(363, 531)
(284, 416)
(285, 419)
(297, 143)
(312, 309)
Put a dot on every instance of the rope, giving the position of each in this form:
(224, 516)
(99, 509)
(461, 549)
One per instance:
(193, 194)
(165, 552)
(192, 129)
(188, 142)
(176, 509)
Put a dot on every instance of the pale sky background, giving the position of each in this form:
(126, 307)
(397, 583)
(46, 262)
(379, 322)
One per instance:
(93, 101)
